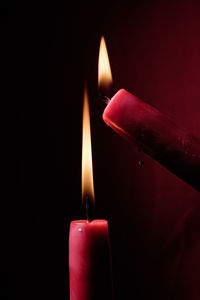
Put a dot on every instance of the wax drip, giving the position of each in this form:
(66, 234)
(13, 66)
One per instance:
(140, 163)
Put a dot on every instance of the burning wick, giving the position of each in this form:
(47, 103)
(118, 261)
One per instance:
(104, 98)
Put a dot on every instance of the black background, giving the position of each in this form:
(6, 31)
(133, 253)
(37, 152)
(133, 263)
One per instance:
(50, 50)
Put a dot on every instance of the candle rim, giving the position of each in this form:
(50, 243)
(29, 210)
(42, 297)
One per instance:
(86, 221)
(100, 222)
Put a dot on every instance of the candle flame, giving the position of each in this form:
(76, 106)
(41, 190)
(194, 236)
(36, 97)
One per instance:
(87, 169)
(104, 70)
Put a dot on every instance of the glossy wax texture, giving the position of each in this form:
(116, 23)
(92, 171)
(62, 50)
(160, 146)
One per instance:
(89, 260)
(156, 135)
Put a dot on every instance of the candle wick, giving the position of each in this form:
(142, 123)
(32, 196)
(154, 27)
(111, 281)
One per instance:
(104, 98)
(89, 207)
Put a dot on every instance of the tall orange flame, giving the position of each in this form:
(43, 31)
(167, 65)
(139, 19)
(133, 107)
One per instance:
(87, 169)
(104, 69)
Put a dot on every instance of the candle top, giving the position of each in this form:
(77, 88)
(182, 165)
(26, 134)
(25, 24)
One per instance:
(96, 227)
(96, 221)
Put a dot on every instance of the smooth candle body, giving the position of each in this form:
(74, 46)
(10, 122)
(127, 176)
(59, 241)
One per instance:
(89, 261)
(156, 135)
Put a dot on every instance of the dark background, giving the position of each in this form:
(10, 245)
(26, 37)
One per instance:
(50, 49)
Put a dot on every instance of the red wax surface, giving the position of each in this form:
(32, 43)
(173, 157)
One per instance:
(156, 135)
(89, 260)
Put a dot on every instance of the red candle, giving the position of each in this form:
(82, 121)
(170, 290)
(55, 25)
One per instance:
(156, 135)
(89, 246)
(89, 260)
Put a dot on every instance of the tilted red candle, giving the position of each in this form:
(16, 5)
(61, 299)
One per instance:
(156, 135)
(89, 246)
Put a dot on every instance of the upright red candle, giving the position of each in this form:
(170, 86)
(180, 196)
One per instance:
(89, 261)
(89, 246)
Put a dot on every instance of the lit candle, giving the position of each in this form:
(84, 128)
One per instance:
(152, 131)
(89, 245)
